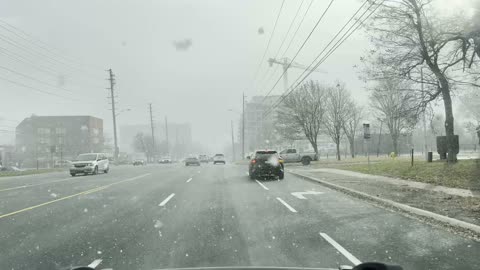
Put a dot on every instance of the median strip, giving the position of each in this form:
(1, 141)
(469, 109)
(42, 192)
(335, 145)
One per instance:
(72, 196)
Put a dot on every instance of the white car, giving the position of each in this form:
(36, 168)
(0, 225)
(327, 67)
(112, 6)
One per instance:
(90, 163)
(219, 158)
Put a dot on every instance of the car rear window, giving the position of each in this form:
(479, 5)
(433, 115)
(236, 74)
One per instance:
(265, 154)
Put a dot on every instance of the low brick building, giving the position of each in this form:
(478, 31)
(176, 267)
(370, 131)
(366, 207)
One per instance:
(47, 138)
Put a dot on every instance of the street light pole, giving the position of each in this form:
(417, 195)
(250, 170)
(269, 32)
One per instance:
(243, 125)
(233, 141)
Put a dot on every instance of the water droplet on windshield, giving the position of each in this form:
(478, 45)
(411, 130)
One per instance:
(158, 224)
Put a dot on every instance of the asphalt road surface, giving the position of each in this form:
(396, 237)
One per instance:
(165, 216)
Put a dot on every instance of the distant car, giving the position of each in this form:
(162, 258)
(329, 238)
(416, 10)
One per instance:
(138, 162)
(165, 160)
(203, 158)
(90, 163)
(265, 163)
(62, 163)
(192, 161)
(219, 158)
(292, 155)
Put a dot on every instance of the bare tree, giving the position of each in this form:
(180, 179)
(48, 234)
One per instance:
(408, 41)
(396, 106)
(337, 111)
(351, 124)
(304, 108)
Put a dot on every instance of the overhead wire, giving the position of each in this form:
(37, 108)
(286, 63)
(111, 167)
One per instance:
(283, 41)
(269, 41)
(39, 43)
(342, 39)
(33, 79)
(43, 69)
(46, 58)
(290, 43)
(301, 47)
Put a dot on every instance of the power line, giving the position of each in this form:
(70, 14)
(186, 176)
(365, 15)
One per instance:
(342, 39)
(31, 39)
(296, 31)
(44, 69)
(269, 40)
(284, 38)
(33, 79)
(290, 43)
(301, 47)
(35, 89)
(345, 36)
(34, 53)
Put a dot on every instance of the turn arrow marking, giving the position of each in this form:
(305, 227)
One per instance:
(300, 194)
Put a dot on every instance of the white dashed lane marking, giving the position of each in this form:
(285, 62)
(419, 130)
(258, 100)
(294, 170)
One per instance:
(340, 249)
(262, 185)
(95, 263)
(166, 200)
(287, 205)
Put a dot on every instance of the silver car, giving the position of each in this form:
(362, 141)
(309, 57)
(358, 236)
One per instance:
(90, 163)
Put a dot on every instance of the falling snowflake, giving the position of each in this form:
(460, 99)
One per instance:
(99, 252)
(85, 210)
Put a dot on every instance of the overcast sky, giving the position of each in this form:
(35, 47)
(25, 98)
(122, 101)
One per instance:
(136, 39)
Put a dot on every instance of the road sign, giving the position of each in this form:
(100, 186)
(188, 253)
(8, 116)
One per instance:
(300, 194)
(366, 131)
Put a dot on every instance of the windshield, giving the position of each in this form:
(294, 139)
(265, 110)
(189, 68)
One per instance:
(153, 134)
(86, 157)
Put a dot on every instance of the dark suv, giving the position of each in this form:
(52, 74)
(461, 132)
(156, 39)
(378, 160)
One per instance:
(265, 163)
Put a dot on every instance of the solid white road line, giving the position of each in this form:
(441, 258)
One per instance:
(95, 263)
(34, 185)
(189, 179)
(166, 200)
(287, 205)
(262, 185)
(73, 196)
(344, 252)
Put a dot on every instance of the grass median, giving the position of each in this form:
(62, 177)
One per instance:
(463, 174)
(28, 172)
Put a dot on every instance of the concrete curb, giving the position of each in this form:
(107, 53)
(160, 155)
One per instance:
(409, 209)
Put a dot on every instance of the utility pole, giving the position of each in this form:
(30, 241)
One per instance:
(114, 116)
(233, 141)
(243, 125)
(166, 134)
(153, 134)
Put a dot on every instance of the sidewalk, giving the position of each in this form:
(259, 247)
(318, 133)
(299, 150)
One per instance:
(461, 204)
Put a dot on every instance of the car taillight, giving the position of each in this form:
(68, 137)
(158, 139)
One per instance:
(254, 161)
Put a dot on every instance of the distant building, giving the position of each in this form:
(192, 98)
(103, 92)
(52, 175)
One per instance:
(45, 138)
(258, 126)
(6, 155)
